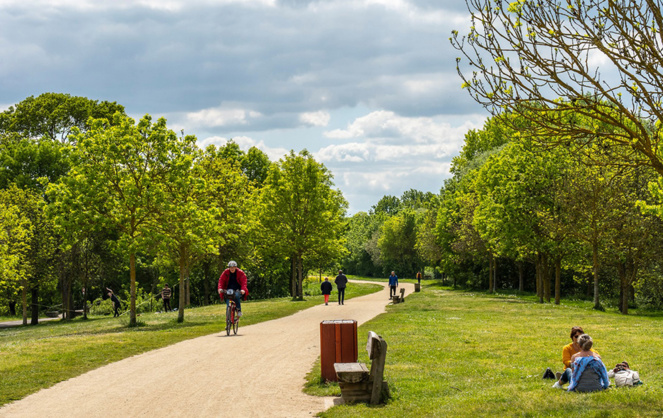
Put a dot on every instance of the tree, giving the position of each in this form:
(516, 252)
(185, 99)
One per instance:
(187, 220)
(299, 213)
(397, 242)
(231, 193)
(117, 183)
(41, 251)
(255, 165)
(540, 60)
(52, 116)
(15, 236)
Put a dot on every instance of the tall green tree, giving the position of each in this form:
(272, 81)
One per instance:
(299, 213)
(52, 116)
(117, 182)
(15, 236)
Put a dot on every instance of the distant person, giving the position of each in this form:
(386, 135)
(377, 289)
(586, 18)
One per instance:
(116, 302)
(589, 372)
(235, 279)
(568, 352)
(393, 284)
(419, 277)
(326, 288)
(166, 293)
(341, 281)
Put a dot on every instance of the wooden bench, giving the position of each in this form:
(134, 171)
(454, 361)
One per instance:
(357, 383)
(401, 298)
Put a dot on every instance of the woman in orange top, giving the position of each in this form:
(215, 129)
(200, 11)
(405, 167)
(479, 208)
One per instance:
(568, 352)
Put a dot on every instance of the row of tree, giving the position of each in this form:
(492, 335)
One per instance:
(88, 195)
(565, 181)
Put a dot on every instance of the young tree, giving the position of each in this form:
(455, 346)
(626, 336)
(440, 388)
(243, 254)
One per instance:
(540, 60)
(299, 213)
(117, 182)
(15, 236)
(52, 116)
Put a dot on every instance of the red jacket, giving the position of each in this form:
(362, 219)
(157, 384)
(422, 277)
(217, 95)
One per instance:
(241, 279)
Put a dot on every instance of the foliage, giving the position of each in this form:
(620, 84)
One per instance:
(52, 116)
(299, 214)
(540, 60)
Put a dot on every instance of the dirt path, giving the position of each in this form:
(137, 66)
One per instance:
(200, 377)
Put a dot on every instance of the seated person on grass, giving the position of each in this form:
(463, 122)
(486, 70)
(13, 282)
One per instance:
(567, 353)
(589, 372)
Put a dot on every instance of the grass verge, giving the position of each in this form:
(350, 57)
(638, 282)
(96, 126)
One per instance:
(36, 357)
(457, 353)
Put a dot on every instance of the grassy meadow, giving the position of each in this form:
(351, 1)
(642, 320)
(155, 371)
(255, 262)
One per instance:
(457, 353)
(36, 357)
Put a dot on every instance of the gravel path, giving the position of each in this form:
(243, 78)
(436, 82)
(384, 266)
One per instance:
(258, 373)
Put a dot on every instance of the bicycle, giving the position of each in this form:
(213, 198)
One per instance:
(232, 321)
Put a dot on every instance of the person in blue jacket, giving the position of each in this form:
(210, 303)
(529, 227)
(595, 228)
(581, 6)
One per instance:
(393, 284)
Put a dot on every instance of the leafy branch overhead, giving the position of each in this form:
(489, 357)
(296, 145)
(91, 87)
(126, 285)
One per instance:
(579, 72)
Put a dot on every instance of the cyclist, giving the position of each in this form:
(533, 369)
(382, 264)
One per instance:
(235, 279)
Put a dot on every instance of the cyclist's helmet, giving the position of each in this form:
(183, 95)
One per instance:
(232, 264)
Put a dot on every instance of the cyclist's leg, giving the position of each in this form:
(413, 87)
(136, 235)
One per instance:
(238, 302)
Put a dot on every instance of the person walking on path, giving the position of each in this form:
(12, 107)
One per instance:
(341, 281)
(116, 302)
(235, 279)
(166, 293)
(393, 284)
(419, 277)
(326, 288)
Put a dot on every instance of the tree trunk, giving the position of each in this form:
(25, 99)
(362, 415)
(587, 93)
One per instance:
(187, 280)
(539, 278)
(546, 279)
(494, 274)
(34, 292)
(490, 274)
(558, 280)
(132, 278)
(293, 277)
(300, 277)
(521, 274)
(206, 283)
(24, 300)
(183, 290)
(595, 260)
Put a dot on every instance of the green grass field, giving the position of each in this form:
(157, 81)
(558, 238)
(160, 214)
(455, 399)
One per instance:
(455, 353)
(35, 357)
(451, 353)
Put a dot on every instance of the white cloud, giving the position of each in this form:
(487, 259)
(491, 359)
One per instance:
(319, 118)
(215, 117)
(385, 127)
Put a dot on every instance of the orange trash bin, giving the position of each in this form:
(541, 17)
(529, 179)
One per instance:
(338, 344)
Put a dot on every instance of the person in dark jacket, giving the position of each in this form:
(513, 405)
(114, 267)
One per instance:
(326, 288)
(341, 281)
(116, 302)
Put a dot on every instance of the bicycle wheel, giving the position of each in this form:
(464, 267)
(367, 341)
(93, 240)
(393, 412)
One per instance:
(235, 325)
(229, 315)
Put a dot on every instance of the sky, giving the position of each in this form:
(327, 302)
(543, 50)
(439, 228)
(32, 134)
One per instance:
(369, 87)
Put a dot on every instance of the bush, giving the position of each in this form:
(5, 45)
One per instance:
(101, 307)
